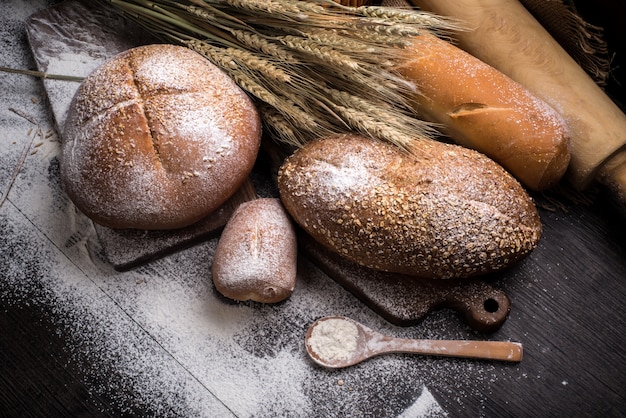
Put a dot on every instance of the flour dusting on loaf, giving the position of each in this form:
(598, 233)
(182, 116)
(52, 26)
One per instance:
(442, 212)
(256, 256)
(157, 138)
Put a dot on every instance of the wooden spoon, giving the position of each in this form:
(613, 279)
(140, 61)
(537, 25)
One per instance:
(336, 342)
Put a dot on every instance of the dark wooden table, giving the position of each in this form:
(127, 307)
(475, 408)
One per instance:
(79, 339)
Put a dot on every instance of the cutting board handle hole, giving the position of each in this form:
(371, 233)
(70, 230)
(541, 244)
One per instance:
(491, 305)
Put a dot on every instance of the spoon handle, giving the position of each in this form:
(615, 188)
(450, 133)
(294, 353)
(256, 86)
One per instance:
(488, 350)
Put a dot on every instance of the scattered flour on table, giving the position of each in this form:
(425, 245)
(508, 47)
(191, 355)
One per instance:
(100, 343)
(425, 406)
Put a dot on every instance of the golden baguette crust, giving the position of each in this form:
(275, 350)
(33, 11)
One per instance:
(483, 109)
(443, 211)
(157, 138)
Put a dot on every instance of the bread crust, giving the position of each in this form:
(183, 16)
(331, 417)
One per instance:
(157, 138)
(256, 257)
(443, 211)
(507, 36)
(481, 108)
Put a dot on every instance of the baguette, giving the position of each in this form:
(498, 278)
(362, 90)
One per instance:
(506, 36)
(481, 108)
(439, 211)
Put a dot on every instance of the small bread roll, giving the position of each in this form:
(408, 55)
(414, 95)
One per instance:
(256, 256)
(157, 138)
(443, 211)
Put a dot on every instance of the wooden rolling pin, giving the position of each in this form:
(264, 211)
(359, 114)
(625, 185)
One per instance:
(505, 35)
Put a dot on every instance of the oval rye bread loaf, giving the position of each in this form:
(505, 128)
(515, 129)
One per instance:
(441, 211)
(157, 137)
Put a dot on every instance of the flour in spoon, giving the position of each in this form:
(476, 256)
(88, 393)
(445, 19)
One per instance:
(334, 339)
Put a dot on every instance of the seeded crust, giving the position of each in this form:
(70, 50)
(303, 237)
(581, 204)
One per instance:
(441, 212)
(157, 138)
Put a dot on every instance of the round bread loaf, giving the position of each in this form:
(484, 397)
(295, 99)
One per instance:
(442, 211)
(256, 256)
(157, 138)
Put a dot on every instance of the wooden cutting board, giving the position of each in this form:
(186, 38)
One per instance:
(74, 37)
(404, 300)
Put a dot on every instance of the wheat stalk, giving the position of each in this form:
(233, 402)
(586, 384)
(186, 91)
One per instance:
(41, 74)
(314, 67)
